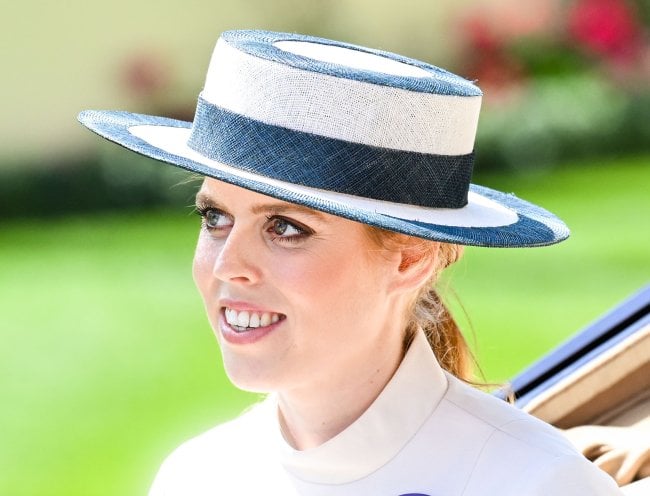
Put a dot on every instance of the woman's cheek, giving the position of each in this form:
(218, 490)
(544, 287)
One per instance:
(202, 264)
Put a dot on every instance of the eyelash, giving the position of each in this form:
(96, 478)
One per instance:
(303, 231)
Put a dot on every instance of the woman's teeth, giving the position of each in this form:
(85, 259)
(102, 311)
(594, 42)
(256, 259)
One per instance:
(241, 321)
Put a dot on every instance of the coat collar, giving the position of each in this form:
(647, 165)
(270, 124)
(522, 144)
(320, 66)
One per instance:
(395, 416)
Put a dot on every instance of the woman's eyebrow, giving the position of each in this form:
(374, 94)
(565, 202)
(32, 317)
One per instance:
(286, 208)
(204, 200)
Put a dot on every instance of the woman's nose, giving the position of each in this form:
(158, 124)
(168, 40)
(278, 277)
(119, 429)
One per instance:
(237, 260)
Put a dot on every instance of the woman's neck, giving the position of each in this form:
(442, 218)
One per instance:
(312, 414)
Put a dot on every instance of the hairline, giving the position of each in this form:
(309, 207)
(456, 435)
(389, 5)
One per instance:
(273, 206)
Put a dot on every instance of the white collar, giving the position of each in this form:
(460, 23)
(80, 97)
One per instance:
(382, 430)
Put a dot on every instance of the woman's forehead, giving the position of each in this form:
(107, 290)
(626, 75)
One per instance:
(218, 190)
(224, 194)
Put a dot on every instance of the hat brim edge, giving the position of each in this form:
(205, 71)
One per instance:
(535, 226)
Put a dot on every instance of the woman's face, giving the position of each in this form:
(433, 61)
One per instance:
(296, 298)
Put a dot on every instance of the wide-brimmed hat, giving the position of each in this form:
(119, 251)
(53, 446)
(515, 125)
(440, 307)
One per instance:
(364, 134)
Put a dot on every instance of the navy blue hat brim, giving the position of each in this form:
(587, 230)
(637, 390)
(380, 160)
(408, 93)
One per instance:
(534, 226)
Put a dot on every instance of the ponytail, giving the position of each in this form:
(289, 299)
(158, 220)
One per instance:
(445, 338)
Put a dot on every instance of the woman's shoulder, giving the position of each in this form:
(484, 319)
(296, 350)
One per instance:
(249, 426)
(196, 464)
(500, 420)
(519, 452)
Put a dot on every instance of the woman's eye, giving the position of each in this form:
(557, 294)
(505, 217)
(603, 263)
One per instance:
(285, 230)
(281, 226)
(215, 219)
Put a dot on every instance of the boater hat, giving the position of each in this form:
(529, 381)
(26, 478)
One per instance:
(364, 134)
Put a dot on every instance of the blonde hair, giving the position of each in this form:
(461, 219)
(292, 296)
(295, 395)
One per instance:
(427, 311)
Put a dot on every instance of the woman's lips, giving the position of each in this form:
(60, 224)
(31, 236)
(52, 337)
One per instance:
(247, 326)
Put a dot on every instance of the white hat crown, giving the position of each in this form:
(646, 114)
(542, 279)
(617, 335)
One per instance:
(341, 103)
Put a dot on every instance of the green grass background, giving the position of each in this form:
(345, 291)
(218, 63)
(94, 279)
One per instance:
(107, 361)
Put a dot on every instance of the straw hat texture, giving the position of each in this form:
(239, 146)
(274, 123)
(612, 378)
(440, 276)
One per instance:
(364, 134)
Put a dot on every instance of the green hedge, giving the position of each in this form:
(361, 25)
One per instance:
(114, 179)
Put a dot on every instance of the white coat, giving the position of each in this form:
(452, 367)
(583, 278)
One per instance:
(426, 434)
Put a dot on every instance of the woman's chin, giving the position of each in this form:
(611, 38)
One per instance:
(249, 375)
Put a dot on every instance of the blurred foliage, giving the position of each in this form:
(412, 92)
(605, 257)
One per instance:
(563, 80)
(570, 117)
(115, 179)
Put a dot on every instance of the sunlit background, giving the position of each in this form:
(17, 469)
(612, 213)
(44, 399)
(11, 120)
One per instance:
(106, 360)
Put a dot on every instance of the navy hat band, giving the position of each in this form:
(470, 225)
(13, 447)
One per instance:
(427, 180)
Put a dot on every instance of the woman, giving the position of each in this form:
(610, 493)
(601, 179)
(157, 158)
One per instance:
(336, 190)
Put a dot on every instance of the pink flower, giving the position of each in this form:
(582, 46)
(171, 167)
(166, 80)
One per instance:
(606, 27)
(480, 35)
(145, 73)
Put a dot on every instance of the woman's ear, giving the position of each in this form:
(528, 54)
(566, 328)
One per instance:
(417, 262)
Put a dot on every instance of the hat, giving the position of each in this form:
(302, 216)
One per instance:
(364, 134)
